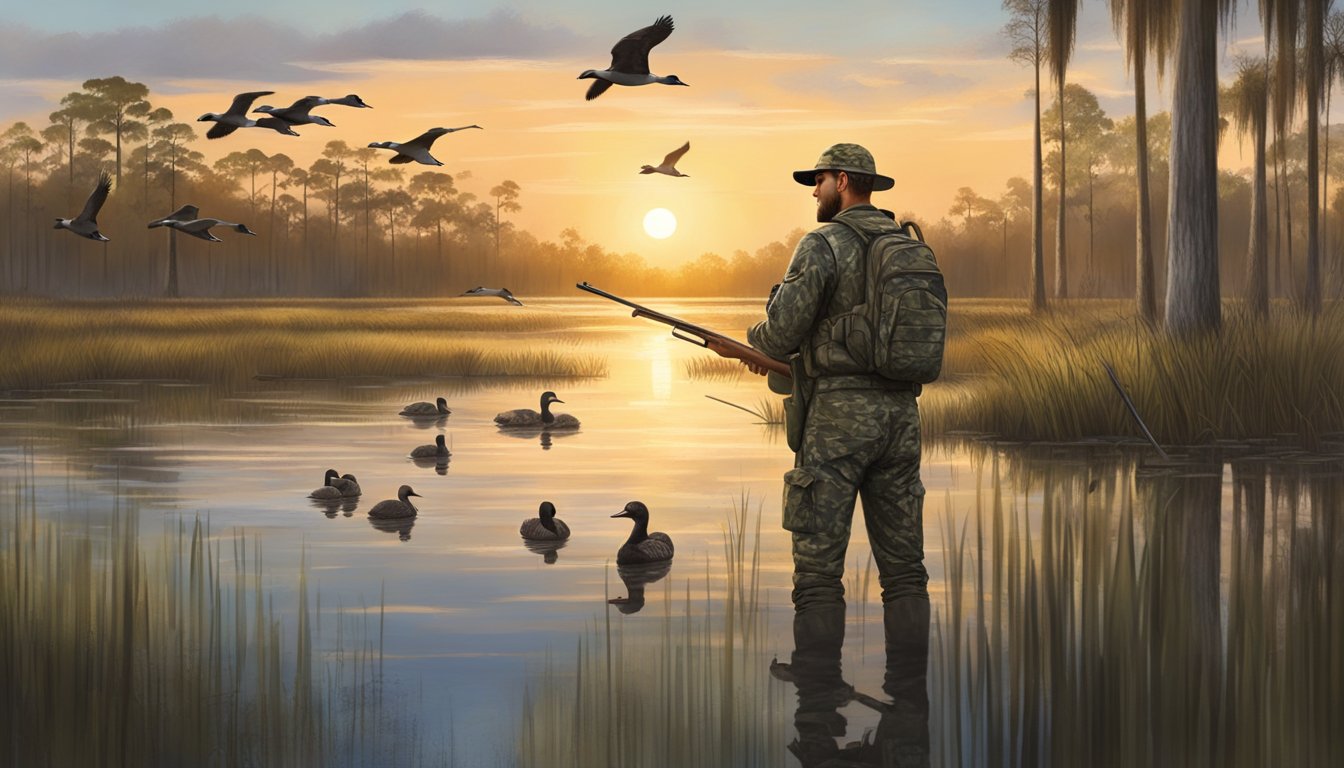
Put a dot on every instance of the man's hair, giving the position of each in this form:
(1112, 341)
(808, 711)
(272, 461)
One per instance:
(860, 183)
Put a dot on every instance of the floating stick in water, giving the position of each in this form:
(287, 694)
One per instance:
(1132, 410)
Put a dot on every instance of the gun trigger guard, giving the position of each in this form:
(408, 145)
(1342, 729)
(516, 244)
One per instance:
(699, 342)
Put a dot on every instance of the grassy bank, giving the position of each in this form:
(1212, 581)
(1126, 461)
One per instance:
(1025, 378)
(231, 342)
(114, 655)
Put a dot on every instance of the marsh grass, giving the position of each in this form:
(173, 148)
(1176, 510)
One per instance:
(1108, 628)
(707, 368)
(117, 655)
(768, 411)
(232, 342)
(686, 690)
(1046, 381)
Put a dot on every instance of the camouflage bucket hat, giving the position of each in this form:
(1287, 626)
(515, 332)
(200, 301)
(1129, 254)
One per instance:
(845, 157)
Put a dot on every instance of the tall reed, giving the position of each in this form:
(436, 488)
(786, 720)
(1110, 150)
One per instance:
(114, 654)
(1097, 621)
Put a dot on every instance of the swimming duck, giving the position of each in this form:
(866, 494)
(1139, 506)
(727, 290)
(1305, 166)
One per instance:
(630, 61)
(438, 450)
(234, 117)
(417, 149)
(503, 293)
(86, 223)
(348, 484)
(642, 546)
(669, 163)
(526, 417)
(398, 508)
(297, 113)
(329, 489)
(545, 528)
(201, 227)
(436, 409)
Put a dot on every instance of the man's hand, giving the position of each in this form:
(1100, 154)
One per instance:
(724, 350)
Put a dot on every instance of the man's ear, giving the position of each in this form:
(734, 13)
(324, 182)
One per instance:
(841, 181)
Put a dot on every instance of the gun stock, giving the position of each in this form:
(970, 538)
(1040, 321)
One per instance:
(723, 346)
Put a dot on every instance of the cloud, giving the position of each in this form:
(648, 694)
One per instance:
(256, 49)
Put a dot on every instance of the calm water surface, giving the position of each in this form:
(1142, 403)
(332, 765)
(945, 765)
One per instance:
(470, 611)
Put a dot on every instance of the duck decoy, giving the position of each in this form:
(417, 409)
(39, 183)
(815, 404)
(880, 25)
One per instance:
(422, 409)
(669, 163)
(200, 228)
(298, 112)
(234, 117)
(547, 527)
(630, 61)
(86, 223)
(417, 149)
(642, 546)
(348, 485)
(349, 100)
(635, 578)
(526, 417)
(439, 450)
(329, 490)
(503, 293)
(395, 509)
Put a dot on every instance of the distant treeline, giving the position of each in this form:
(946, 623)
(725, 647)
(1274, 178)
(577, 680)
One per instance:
(349, 225)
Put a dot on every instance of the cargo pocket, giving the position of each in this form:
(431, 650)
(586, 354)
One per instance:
(800, 511)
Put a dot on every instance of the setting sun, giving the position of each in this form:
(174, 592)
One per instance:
(660, 223)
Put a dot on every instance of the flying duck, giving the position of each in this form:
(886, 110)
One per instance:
(328, 490)
(395, 509)
(435, 409)
(669, 163)
(86, 223)
(234, 117)
(438, 450)
(297, 113)
(349, 100)
(417, 149)
(642, 546)
(503, 293)
(200, 227)
(526, 417)
(630, 60)
(185, 213)
(545, 528)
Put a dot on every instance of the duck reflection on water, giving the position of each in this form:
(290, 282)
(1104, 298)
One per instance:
(549, 550)
(635, 578)
(902, 735)
(331, 506)
(401, 526)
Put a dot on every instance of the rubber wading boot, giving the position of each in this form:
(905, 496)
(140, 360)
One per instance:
(818, 635)
(903, 734)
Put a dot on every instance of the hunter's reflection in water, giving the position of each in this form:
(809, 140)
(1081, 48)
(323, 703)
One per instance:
(902, 737)
(549, 550)
(401, 526)
(635, 577)
(330, 507)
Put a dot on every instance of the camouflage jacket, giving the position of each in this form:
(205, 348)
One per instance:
(818, 284)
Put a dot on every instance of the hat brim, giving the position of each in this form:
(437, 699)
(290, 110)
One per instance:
(808, 178)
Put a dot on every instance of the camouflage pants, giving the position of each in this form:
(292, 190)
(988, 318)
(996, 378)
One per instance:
(857, 442)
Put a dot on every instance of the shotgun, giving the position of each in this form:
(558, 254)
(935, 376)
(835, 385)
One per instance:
(723, 346)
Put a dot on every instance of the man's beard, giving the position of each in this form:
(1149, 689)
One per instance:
(827, 206)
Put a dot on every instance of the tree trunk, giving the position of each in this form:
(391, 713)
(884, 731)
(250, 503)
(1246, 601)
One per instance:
(1257, 255)
(1037, 215)
(170, 291)
(1314, 28)
(1145, 289)
(1061, 265)
(1192, 230)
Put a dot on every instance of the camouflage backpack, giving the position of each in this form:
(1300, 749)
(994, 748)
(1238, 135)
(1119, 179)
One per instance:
(899, 329)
